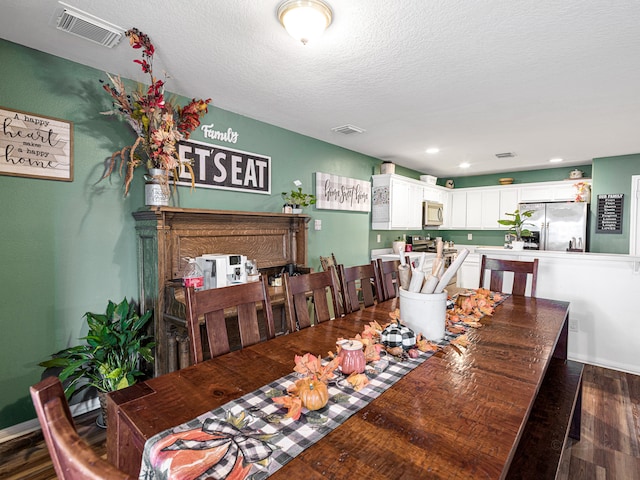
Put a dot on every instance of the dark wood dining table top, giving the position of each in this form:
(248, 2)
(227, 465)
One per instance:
(460, 414)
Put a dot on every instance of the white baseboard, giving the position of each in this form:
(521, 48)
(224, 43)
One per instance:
(29, 426)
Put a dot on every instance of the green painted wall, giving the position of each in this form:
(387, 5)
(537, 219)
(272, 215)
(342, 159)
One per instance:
(529, 176)
(613, 175)
(68, 247)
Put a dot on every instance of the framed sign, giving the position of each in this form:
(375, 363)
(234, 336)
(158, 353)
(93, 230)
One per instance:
(35, 146)
(342, 193)
(609, 217)
(225, 168)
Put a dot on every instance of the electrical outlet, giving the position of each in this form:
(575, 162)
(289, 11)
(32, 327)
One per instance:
(573, 325)
(378, 238)
(469, 236)
(317, 224)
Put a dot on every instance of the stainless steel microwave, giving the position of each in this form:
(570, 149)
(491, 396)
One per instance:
(432, 214)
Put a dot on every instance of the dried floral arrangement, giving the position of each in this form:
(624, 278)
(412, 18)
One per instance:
(158, 122)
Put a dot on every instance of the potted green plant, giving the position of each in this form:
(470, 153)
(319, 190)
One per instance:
(516, 225)
(116, 344)
(297, 199)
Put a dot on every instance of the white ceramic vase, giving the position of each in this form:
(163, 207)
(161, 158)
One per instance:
(517, 245)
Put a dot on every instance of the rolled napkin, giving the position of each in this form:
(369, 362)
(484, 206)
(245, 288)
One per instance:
(436, 266)
(451, 271)
(423, 257)
(429, 284)
(417, 277)
(404, 276)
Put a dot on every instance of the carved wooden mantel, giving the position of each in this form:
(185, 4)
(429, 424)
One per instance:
(169, 235)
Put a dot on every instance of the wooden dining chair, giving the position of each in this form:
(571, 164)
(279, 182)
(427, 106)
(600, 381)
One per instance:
(71, 456)
(211, 304)
(358, 281)
(314, 286)
(387, 279)
(521, 270)
(326, 263)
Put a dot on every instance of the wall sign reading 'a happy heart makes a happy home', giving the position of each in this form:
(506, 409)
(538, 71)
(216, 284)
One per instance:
(224, 168)
(342, 193)
(35, 146)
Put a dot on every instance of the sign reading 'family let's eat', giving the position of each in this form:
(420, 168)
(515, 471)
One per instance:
(342, 193)
(225, 168)
(35, 146)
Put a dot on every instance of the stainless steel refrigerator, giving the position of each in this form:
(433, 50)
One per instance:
(562, 225)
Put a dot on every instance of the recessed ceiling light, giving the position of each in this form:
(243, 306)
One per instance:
(432, 150)
(464, 165)
(555, 160)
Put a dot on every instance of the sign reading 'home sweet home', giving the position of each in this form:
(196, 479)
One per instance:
(342, 193)
(225, 168)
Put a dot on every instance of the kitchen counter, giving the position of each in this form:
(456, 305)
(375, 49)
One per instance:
(603, 326)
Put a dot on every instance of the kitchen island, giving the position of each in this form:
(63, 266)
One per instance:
(602, 289)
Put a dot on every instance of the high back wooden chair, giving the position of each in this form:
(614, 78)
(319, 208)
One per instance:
(71, 456)
(326, 263)
(521, 270)
(360, 280)
(387, 279)
(212, 303)
(316, 286)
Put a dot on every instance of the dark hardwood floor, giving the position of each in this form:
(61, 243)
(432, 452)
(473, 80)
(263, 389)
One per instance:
(609, 447)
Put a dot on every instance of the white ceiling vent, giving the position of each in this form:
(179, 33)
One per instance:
(505, 155)
(87, 26)
(348, 129)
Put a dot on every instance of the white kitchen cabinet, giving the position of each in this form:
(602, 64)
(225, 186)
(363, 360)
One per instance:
(396, 203)
(509, 199)
(458, 213)
(480, 208)
(474, 209)
(562, 191)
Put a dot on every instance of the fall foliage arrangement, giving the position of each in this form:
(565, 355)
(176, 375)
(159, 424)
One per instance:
(158, 122)
(310, 391)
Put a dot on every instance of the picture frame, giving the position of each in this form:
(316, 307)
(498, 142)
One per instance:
(35, 146)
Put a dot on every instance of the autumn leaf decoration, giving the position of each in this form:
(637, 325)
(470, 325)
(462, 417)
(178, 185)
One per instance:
(308, 365)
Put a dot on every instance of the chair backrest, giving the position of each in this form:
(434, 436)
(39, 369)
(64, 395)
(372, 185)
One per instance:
(388, 279)
(360, 280)
(211, 303)
(72, 458)
(299, 288)
(520, 271)
(326, 263)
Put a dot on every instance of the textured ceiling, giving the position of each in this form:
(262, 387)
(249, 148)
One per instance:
(541, 79)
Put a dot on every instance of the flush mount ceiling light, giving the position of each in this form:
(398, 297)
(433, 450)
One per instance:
(305, 20)
(555, 160)
(432, 150)
(464, 165)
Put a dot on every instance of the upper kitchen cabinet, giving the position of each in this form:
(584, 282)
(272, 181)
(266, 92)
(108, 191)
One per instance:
(562, 191)
(397, 202)
(480, 208)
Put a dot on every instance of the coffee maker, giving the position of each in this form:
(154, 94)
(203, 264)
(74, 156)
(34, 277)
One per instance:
(214, 268)
(236, 269)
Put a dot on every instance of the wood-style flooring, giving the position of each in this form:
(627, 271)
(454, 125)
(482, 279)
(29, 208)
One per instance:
(609, 447)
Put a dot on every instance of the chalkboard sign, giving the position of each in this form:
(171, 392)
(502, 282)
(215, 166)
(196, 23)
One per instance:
(610, 213)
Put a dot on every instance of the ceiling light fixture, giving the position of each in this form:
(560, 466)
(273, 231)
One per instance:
(555, 160)
(432, 150)
(464, 165)
(305, 20)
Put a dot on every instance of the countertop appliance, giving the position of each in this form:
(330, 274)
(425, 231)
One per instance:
(562, 226)
(432, 214)
(421, 244)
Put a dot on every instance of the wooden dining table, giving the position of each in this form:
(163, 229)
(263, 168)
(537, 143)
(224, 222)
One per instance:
(459, 414)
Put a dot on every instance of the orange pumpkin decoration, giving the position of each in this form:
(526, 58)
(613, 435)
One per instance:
(313, 393)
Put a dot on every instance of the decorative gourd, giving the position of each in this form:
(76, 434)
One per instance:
(313, 393)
